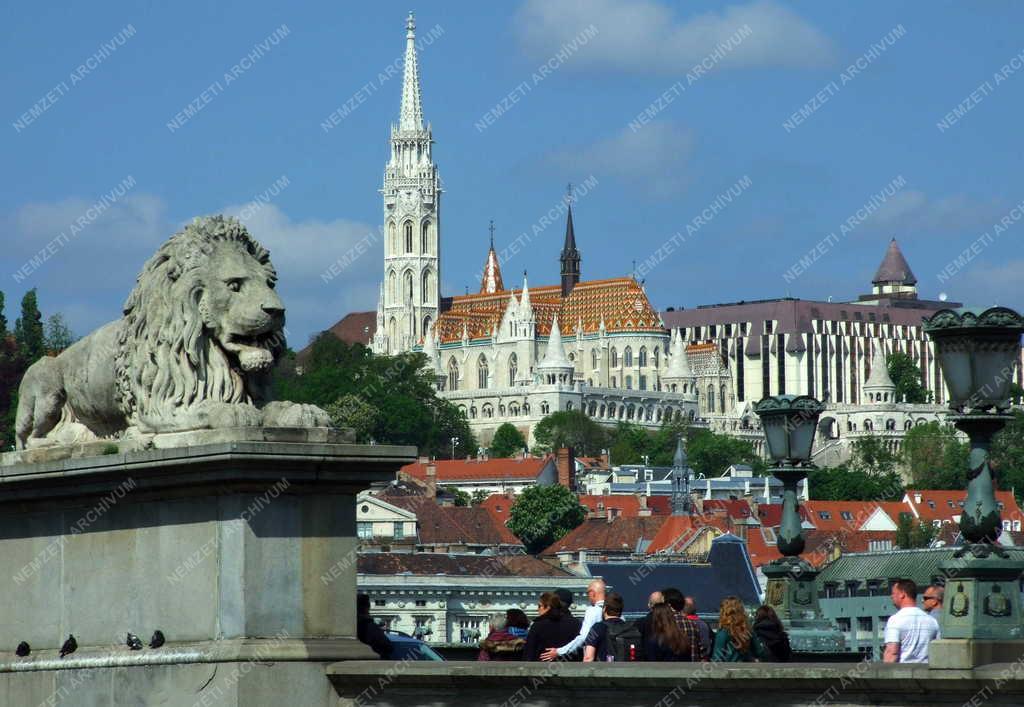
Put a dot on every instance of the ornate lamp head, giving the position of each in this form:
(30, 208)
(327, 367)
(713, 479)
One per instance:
(789, 423)
(977, 351)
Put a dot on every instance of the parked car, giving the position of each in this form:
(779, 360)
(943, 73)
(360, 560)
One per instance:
(405, 647)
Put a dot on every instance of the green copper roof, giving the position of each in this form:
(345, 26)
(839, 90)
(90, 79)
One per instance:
(919, 565)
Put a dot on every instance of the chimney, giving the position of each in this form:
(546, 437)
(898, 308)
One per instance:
(609, 516)
(605, 459)
(565, 461)
(431, 481)
(424, 460)
(644, 511)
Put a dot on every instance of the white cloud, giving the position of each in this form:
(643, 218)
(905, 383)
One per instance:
(645, 36)
(913, 211)
(654, 157)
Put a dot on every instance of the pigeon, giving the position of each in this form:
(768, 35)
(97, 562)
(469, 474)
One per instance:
(157, 640)
(133, 642)
(70, 646)
(22, 650)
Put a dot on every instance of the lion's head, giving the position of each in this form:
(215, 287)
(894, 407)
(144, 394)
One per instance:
(203, 323)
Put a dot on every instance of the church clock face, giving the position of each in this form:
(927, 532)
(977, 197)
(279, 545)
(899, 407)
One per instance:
(408, 201)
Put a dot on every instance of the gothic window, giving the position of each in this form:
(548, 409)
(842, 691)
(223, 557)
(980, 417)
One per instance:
(629, 381)
(407, 290)
(711, 398)
(408, 236)
(481, 372)
(425, 290)
(425, 237)
(627, 356)
(890, 424)
(426, 324)
(453, 374)
(593, 359)
(615, 357)
(568, 406)
(513, 365)
(643, 356)
(487, 410)
(392, 287)
(392, 238)
(615, 382)
(472, 412)
(643, 382)
(721, 398)
(657, 357)
(393, 331)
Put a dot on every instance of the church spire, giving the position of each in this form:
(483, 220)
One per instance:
(570, 255)
(491, 281)
(412, 112)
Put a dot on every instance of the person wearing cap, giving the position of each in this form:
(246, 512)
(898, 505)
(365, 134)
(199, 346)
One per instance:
(594, 613)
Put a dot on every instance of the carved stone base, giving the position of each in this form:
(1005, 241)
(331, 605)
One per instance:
(792, 592)
(982, 600)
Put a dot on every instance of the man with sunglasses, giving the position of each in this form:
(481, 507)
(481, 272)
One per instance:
(933, 600)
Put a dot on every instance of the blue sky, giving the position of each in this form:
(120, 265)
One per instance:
(96, 127)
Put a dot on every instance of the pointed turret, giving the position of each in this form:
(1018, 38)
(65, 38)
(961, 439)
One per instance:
(433, 362)
(879, 387)
(525, 308)
(411, 117)
(555, 367)
(570, 257)
(491, 280)
(894, 268)
(681, 503)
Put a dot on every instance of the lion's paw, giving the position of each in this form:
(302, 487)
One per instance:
(282, 413)
(219, 415)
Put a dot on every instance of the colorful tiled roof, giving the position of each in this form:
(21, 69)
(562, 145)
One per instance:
(945, 505)
(621, 535)
(620, 302)
(432, 564)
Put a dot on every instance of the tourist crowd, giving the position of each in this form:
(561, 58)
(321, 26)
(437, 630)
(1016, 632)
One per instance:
(671, 631)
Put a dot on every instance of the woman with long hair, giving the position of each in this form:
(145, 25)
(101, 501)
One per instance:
(772, 633)
(735, 641)
(552, 627)
(665, 640)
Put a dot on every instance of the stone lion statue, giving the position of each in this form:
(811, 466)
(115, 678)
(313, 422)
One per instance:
(194, 349)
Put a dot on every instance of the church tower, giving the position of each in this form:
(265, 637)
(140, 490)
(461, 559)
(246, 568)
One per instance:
(412, 226)
(570, 257)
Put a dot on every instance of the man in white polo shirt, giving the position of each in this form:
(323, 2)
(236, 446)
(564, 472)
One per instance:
(909, 631)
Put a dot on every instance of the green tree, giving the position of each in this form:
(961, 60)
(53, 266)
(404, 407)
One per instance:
(711, 454)
(870, 455)
(1016, 392)
(462, 498)
(846, 483)
(28, 330)
(570, 428)
(1007, 455)
(479, 496)
(57, 334)
(406, 407)
(353, 412)
(543, 514)
(3, 318)
(907, 376)
(507, 442)
(628, 443)
(663, 442)
(934, 457)
(911, 534)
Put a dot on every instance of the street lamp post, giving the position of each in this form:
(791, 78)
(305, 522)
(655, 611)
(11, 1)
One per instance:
(455, 440)
(977, 351)
(790, 423)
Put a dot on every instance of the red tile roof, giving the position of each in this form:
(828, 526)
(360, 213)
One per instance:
(621, 535)
(453, 470)
(947, 504)
(677, 531)
(626, 505)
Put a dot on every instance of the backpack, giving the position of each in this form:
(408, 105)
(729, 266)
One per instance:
(619, 637)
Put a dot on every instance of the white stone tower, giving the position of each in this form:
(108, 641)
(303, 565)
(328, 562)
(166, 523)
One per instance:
(411, 292)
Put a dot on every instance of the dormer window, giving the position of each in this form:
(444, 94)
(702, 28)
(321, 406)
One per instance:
(825, 515)
(846, 515)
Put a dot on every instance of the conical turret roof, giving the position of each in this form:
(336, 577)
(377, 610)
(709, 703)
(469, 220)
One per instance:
(894, 267)
(554, 356)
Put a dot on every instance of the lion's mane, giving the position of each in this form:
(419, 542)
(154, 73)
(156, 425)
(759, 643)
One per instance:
(166, 358)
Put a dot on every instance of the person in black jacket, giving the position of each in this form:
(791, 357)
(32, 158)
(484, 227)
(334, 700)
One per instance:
(773, 635)
(551, 628)
(367, 629)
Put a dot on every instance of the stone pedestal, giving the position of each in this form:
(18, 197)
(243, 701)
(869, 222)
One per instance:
(241, 551)
(792, 592)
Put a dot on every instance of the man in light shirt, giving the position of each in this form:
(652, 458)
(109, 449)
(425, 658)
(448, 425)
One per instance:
(909, 631)
(594, 613)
